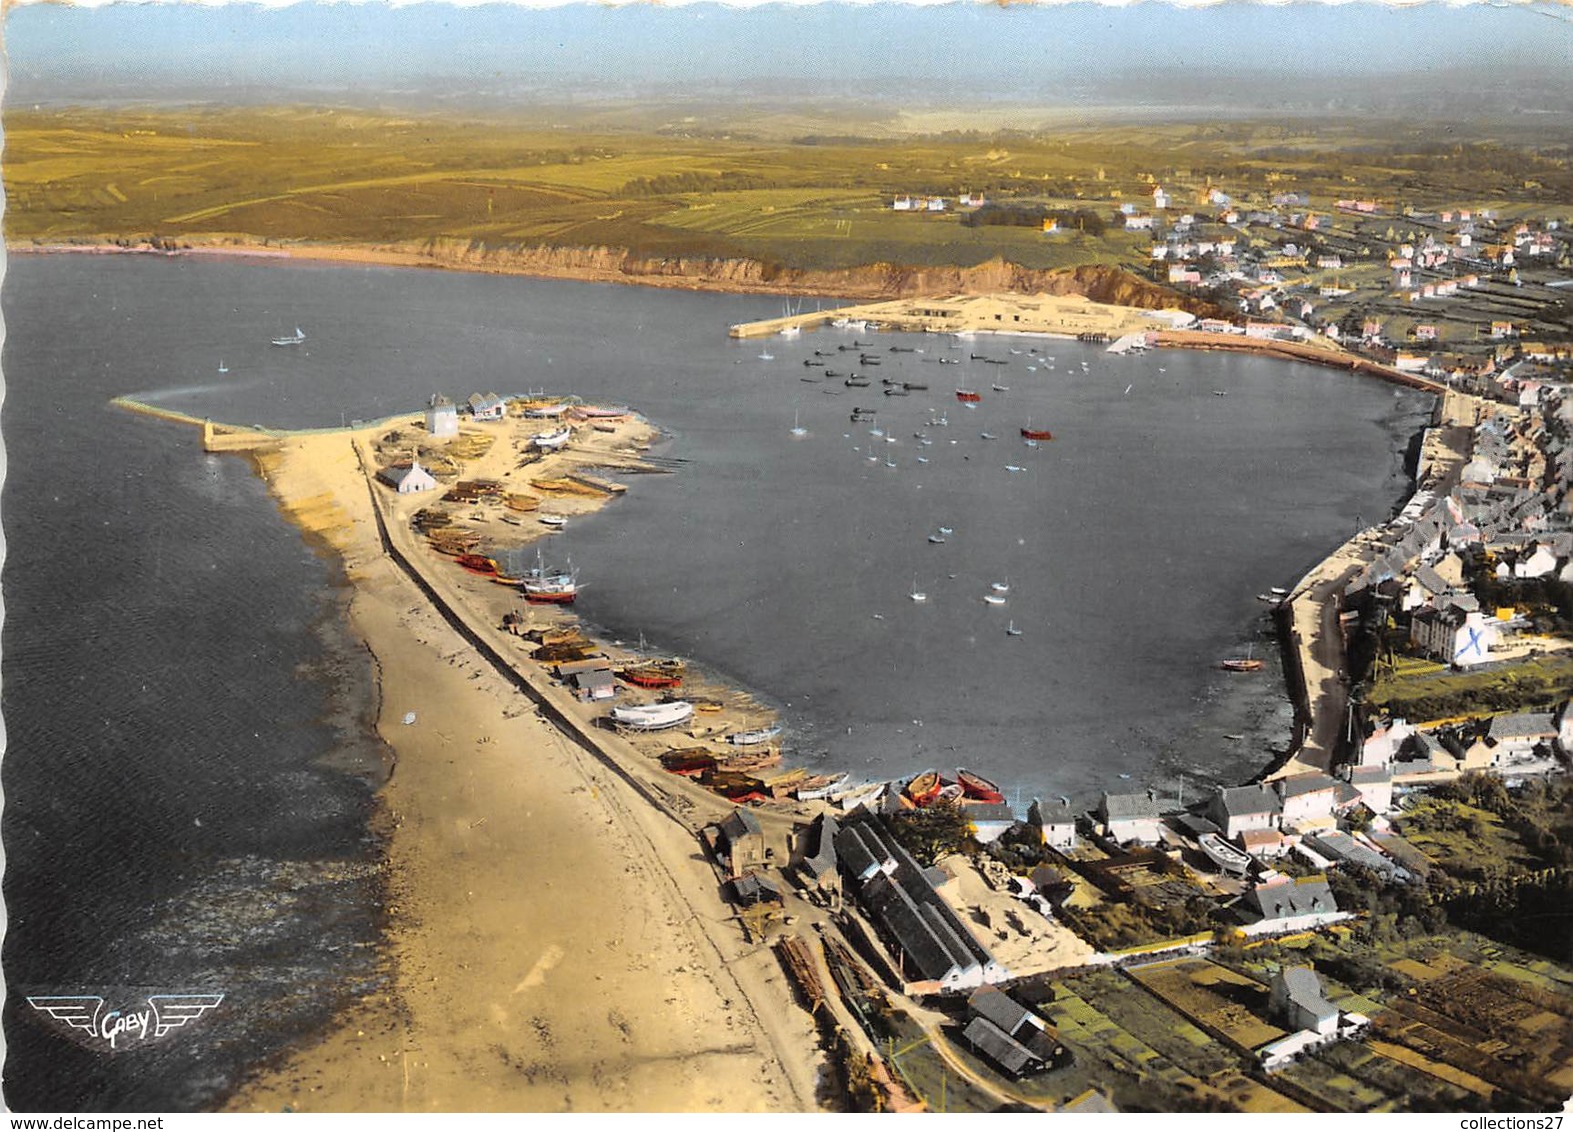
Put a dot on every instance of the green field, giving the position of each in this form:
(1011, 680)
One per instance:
(305, 174)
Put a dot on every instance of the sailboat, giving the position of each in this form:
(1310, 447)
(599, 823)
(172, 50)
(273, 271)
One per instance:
(797, 429)
(291, 339)
(917, 594)
(1011, 630)
(1246, 663)
(222, 368)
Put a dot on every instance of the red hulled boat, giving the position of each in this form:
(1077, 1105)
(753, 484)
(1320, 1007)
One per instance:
(1036, 434)
(978, 788)
(968, 395)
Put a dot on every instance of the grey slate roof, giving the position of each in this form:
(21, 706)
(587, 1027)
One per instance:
(1118, 806)
(1523, 725)
(1260, 798)
(1297, 785)
(1050, 813)
(989, 812)
(1001, 1009)
(999, 1047)
(821, 862)
(1340, 846)
(738, 824)
(929, 935)
(755, 889)
(1304, 989)
(1282, 900)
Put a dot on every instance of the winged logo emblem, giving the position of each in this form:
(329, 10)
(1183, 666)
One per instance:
(85, 1019)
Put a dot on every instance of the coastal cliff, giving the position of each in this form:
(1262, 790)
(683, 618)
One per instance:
(1101, 283)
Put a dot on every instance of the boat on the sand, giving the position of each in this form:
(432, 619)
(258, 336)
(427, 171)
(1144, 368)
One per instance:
(976, 787)
(652, 717)
(924, 788)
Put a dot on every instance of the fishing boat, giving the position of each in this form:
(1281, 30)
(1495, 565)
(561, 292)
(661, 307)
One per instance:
(865, 793)
(946, 531)
(1241, 664)
(791, 331)
(911, 385)
(688, 761)
(556, 522)
(541, 584)
(551, 441)
(823, 790)
(737, 785)
(1014, 468)
(606, 413)
(977, 787)
(652, 717)
(968, 395)
(1224, 855)
(1000, 587)
(936, 538)
(655, 673)
(1000, 388)
(294, 339)
(478, 563)
(924, 788)
(896, 391)
(1030, 433)
(544, 411)
(753, 736)
(994, 599)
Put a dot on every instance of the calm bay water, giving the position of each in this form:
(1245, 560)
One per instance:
(174, 683)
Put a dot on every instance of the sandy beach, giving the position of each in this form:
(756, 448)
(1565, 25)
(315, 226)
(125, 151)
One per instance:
(553, 942)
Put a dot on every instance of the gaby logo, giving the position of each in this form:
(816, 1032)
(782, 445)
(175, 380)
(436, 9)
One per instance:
(84, 1019)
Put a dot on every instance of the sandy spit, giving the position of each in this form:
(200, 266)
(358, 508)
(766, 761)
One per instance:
(553, 942)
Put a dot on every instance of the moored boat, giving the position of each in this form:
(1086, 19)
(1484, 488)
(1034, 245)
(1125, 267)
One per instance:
(968, 395)
(294, 339)
(1241, 664)
(1029, 433)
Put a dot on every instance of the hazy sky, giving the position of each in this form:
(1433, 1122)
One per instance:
(171, 50)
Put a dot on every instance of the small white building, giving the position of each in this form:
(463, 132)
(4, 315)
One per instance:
(408, 480)
(1295, 1000)
(442, 417)
(1237, 809)
(1375, 784)
(487, 407)
(1307, 797)
(1130, 817)
(1453, 635)
(1056, 821)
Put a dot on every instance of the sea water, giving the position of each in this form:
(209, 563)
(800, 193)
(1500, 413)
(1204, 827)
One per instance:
(180, 809)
